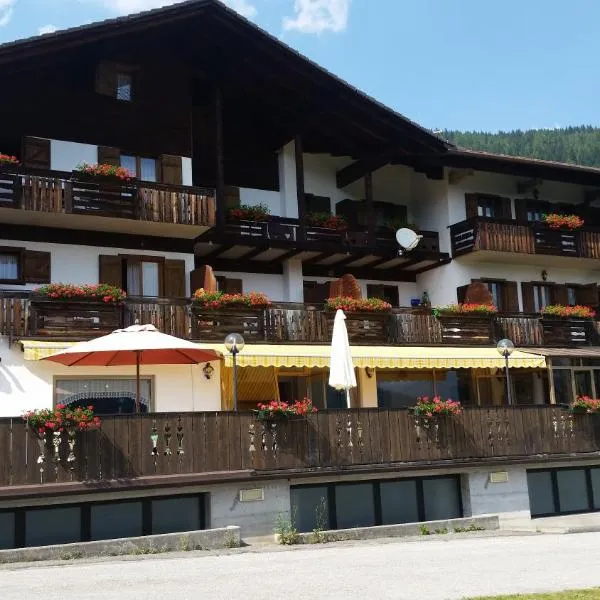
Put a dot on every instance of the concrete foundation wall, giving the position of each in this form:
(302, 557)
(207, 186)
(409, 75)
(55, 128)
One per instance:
(257, 517)
(508, 499)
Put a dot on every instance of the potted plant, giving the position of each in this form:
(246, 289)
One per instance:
(559, 221)
(7, 160)
(327, 221)
(98, 292)
(585, 405)
(246, 212)
(102, 172)
(276, 409)
(568, 312)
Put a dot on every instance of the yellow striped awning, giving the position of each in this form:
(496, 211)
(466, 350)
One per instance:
(383, 357)
(38, 349)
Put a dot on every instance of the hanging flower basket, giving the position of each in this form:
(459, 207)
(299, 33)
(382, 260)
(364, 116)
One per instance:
(558, 221)
(62, 418)
(427, 411)
(278, 410)
(585, 405)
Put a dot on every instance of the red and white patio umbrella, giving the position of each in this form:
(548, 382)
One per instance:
(136, 345)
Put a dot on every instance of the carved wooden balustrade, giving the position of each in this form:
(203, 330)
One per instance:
(128, 447)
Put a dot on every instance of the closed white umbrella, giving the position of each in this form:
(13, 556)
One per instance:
(341, 369)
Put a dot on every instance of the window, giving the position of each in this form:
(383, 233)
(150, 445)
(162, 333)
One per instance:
(296, 384)
(380, 502)
(108, 396)
(542, 297)
(486, 207)
(571, 295)
(124, 86)
(144, 277)
(140, 167)
(10, 266)
(563, 491)
(389, 293)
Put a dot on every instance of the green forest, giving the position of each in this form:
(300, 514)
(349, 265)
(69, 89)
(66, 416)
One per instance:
(579, 145)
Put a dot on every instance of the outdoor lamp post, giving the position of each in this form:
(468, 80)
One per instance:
(234, 343)
(505, 348)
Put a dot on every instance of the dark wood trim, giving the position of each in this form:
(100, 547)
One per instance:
(315, 259)
(289, 255)
(83, 237)
(353, 172)
(256, 252)
(216, 252)
(369, 207)
(300, 195)
(220, 160)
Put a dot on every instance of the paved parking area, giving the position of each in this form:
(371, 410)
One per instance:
(436, 568)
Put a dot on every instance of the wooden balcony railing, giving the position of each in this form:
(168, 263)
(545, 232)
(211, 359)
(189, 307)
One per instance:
(527, 238)
(195, 443)
(23, 316)
(286, 229)
(60, 192)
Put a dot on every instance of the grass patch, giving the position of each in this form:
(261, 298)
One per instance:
(590, 594)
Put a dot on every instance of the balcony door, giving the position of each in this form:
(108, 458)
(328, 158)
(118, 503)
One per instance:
(488, 206)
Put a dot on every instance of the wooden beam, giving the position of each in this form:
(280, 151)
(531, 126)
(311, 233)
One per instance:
(220, 160)
(370, 209)
(300, 195)
(289, 255)
(216, 252)
(256, 252)
(360, 168)
(316, 258)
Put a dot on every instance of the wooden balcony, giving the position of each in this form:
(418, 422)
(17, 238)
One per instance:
(262, 246)
(189, 444)
(25, 316)
(525, 238)
(60, 193)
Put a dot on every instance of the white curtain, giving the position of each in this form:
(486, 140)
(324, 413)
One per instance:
(134, 279)
(73, 390)
(9, 266)
(150, 279)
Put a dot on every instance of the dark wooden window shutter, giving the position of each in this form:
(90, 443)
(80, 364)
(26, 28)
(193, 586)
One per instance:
(521, 210)
(36, 267)
(174, 278)
(461, 292)
(230, 286)
(232, 196)
(504, 210)
(111, 270)
(106, 79)
(587, 294)
(318, 204)
(170, 169)
(559, 294)
(471, 202)
(528, 299)
(36, 153)
(510, 296)
(109, 156)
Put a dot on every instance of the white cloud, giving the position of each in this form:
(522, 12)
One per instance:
(6, 11)
(317, 16)
(47, 29)
(124, 7)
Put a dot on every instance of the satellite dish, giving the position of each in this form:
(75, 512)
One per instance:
(407, 238)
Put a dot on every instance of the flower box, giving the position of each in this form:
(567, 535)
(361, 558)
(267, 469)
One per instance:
(327, 221)
(560, 311)
(465, 309)
(6, 160)
(96, 292)
(246, 212)
(102, 173)
(585, 405)
(278, 410)
(361, 305)
(559, 221)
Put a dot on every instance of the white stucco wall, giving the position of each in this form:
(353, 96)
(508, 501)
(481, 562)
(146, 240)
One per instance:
(65, 156)
(80, 264)
(26, 384)
(254, 197)
(272, 285)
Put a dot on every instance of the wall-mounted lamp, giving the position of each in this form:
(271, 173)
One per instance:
(369, 372)
(208, 370)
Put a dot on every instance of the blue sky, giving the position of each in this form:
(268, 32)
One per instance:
(460, 64)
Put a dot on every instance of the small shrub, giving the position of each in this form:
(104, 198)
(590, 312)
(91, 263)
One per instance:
(231, 541)
(286, 532)
(441, 531)
(424, 530)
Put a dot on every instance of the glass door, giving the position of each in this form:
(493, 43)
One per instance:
(582, 382)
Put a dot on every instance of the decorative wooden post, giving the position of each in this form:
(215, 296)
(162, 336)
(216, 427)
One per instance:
(299, 160)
